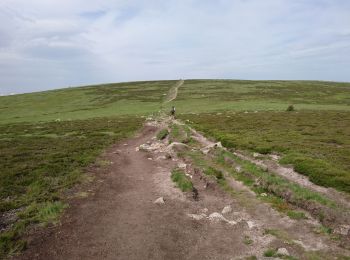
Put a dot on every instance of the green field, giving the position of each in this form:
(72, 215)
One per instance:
(198, 96)
(134, 98)
(47, 138)
(317, 143)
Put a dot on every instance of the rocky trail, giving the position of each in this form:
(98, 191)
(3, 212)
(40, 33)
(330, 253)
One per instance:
(135, 211)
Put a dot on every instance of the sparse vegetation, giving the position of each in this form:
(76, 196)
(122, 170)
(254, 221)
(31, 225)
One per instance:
(247, 240)
(214, 172)
(296, 214)
(162, 134)
(290, 108)
(181, 180)
(270, 252)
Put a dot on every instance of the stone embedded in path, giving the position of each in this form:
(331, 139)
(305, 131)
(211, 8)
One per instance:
(217, 217)
(207, 149)
(251, 224)
(182, 166)
(282, 251)
(226, 209)
(197, 216)
(159, 201)
(238, 169)
(343, 230)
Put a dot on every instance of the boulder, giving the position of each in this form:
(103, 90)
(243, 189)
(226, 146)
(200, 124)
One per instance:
(282, 251)
(159, 201)
(226, 209)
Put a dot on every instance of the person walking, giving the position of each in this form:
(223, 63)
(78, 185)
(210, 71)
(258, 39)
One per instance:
(172, 111)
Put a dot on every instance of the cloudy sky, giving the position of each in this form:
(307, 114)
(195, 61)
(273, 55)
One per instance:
(47, 44)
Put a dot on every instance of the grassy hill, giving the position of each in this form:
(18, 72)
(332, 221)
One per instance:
(47, 138)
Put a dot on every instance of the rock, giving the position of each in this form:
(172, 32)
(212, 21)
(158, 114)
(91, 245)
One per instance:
(182, 166)
(176, 147)
(159, 201)
(217, 217)
(226, 209)
(162, 157)
(188, 175)
(125, 144)
(205, 210)
(238, 169)
(207, 149)
(197, 216)
(263, 194)
(282, 251)
(137, 149)
(150, 147)
(275, 157)
(255, 155)
(342, 230)
(150, 158)
(251, 224)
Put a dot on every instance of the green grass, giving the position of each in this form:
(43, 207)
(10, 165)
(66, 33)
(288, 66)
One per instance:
(162, 134)
(316, 143)
(182, 181)
(296, 214)
(270, 253)
(41, 160)
(132, 98)
(201, 96)
(247, 240)
(214, 172)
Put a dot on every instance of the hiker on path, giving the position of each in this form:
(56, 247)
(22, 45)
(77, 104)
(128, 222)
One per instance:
(172, 112)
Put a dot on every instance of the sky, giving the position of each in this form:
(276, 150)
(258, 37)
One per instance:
(47, 44)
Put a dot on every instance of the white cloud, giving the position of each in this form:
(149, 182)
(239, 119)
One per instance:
(50, 43)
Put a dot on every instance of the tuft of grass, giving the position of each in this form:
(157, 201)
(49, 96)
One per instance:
(181, 180)
(290, 108)
(296, 214)
(253, 257)
(323, 230)
(162, 134)
(280, 234)
(270, 252)
(247, 240)
(214, 172)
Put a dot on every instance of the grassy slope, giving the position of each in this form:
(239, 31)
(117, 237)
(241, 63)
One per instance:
(315, 139)
(134, 98)
(198, 96)
(41, 156)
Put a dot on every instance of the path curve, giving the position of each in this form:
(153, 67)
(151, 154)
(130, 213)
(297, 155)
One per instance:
(173, 91)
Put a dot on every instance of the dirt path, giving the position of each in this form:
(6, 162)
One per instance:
(173, 91)
(121, 221)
